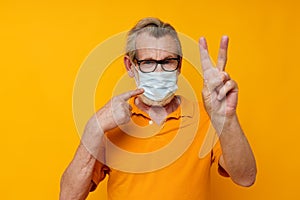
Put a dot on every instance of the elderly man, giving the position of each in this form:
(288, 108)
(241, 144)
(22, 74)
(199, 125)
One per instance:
(153, 59)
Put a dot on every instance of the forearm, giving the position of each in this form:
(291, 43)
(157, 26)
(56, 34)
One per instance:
(76, 180)
(238, 157)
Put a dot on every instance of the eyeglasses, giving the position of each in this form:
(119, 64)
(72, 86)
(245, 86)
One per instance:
(168, 64)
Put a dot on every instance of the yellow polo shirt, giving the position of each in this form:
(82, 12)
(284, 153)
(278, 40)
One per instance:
(171, 163)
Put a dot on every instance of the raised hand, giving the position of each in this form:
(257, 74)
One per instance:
(220, 93)
(116, 112)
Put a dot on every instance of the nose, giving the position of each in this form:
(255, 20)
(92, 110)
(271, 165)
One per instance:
(159, 68)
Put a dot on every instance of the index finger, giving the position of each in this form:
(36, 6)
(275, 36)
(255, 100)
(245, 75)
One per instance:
(204, 56)
(222, 56)
(127, 95)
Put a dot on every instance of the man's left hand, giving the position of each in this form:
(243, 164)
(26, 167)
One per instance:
(220, 92)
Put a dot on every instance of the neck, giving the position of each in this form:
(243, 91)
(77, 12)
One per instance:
(158, 113)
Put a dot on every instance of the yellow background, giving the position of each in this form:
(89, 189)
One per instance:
(43, 44)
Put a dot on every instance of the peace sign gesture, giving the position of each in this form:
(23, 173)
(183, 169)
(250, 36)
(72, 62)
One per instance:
(220, 93)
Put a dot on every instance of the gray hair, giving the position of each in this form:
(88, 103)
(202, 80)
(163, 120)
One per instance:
(154, 27)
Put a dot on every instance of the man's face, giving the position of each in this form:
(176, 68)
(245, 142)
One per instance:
(151, 48)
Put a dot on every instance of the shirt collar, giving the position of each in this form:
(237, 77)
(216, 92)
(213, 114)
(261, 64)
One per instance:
(185, 109)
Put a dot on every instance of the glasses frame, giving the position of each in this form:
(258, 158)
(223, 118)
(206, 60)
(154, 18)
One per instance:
(161, 62)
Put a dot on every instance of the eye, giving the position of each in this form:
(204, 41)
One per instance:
(170, 61)
(167, 61)
(148, 62)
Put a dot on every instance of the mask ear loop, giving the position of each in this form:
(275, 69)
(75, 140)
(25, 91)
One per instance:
(135, 71)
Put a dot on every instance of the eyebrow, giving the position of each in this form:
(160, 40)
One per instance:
(150, 58)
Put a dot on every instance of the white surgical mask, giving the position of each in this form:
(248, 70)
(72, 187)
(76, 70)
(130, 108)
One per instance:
(157, 85)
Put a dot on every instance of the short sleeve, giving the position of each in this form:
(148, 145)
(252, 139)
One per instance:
(99, 173)
(216, 154)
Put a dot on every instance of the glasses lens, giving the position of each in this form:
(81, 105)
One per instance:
(170, 64)
(147, 65)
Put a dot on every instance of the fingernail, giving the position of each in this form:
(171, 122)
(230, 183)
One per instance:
(225, 37)
(202, 41)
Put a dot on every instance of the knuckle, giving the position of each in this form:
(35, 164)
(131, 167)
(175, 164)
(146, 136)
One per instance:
(123, 113)
(224, 76)
(232, 83)
(114, 99)
(229, 83)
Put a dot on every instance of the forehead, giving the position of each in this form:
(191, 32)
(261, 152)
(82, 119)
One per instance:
(151, 46)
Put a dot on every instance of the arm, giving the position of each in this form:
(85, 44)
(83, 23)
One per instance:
(76, 181)
(237, 159)
(220, 95)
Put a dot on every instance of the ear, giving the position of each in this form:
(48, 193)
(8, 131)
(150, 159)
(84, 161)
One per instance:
(128, 65)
